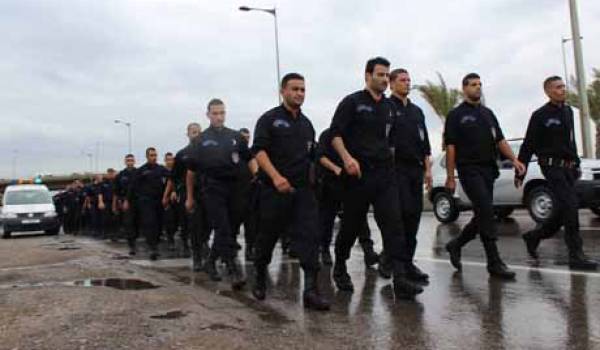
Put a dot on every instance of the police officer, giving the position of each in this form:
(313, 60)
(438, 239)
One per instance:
(360, 130)
(284, 150)
(551, 137)
(330, 195)
(171, 218)
(146, 191)
(176, 187)
(127, 219)
(473, 141)
(95, 215)
(105, 199)
(412, 151)
(216, 157)
(71, 208)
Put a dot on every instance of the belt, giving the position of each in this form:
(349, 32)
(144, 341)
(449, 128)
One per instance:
(558, 162)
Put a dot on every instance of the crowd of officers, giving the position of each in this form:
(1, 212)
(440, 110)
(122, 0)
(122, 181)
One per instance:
(288, 187)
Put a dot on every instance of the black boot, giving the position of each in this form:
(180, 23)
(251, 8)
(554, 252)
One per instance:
(249, 253)
(531, 242)
(414, 273)
(311, 297)
(132, 248)
(341, 277)
(211, 267)
(403, 287)
(186, 248)
(196, 261)
(371, 258)
(581, 262)
(385, 266)
(326, 256)
(238, 281)
(154, 254)
(454, 250)
(259, 290)
(495, 265)
(170, 244)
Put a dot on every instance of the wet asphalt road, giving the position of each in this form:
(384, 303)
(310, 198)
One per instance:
(548, 307)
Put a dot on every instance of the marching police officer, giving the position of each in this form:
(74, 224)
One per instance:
(412, 151)
(284, 150)
(171, 215)
(474, 141)
(127, 219)
(146, 191)
(105, 199)
(330, 195)
(360, 130)
(216, 158)
(551, 137)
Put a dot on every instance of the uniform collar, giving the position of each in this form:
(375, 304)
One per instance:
(367, 93)
(399, 102)
(289, 113)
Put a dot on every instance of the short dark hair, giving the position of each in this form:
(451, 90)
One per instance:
(110, 171)
(150, 149)
(469, 77)
(193, 124)
(244, 130)
(370, 67)
(551, 80)
(168, 154)
(396, 72)
(129, 155)
(214, 102)
(290, 76)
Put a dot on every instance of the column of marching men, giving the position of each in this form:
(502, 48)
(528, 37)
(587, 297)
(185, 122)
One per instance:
(288, 187)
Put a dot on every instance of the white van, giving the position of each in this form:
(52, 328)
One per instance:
(28, 208)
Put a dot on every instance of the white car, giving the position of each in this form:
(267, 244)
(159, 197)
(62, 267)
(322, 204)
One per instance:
(534, 195)
(28, 208)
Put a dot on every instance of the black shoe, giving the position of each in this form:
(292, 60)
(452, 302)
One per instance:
(211, 269)
(292, 254)
(385, 269)
(404, 288)
(414, 273)
(237, 279)
(371, 258)
(532, 243)
(186, 252)
(259, 290)
(454, 252)
(312, 300)
(326, 257)
(249, 254)
(154, 255)
(582, 263)
(171, 245)
(196, 262)
(132, 252)
(342, 279)
(500, 270)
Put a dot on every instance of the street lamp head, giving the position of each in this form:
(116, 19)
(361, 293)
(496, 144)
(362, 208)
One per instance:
(244, 8)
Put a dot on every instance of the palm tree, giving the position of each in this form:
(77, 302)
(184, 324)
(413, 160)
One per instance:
(593, 92)
(439, 96)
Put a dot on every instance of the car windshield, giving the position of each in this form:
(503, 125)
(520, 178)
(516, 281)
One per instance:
(27, 197)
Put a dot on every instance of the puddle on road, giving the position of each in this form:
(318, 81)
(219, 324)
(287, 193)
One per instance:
(117, 283)
(219, 327)
(171, 315)
(69, 248)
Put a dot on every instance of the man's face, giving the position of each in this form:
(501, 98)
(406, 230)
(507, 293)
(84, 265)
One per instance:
(98, 178)
(110, 175)
(130, 162)
(293, 93)
(151, 157)
(193, 132)
(216, 115)
(401, 85)
(246, 136)
(378, 80)
(473, 90)
(169, 161)
(557, 91)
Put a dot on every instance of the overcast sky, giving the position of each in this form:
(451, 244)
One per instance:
(68, 68)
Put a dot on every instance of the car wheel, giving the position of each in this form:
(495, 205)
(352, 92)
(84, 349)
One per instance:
(52, 232)
(540, 204)
(6, 234)
(503, 213)
(445, 208)
(595, 210)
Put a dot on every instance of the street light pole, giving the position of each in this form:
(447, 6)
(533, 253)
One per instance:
(584, 110)
(273, 12)
(128, 125)
(564, 57)
(14, 164)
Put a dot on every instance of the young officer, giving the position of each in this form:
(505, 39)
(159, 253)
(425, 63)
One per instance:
(284, 149)
(360, 130)
(551, 137)
(127, 219)
(473, 142)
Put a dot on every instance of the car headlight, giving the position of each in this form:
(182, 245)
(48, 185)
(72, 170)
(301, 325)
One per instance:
(49, 214)
(8, 215)
(586, 175)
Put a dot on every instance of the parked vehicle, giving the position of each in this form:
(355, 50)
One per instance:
(28, 208)
(534, 195)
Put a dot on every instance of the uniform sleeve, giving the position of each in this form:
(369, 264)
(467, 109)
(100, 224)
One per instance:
(133, 185)
(528, 146)
(573, 143)
(426, 143)
(450, 129)
(117, 184)
(193, 159)
(499, 133)
(243, 149)
(342, 118)
(262, 135)
(324, 140)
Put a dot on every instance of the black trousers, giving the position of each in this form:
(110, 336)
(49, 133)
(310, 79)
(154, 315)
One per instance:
(175, 219)
(376, 187)
(219, 200)
(409, 177)
(330, 203)
(295, 213)
(150, 211)
(247, 204)
(478, 183)
(562, 184)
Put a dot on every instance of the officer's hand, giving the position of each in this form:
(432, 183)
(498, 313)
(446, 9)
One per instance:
(173, 197)
(338, 171)
(450, 184)
(352, 167)
(189, 205)
(282, 184)
(518, 182)
(115, 209)
(165, 202)
(519, 167)
(428, 180)
(101, 206)
(126, 205)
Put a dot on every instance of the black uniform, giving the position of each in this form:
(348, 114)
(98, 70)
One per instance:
(127, 219)
(216, 159)
(106, 215)
(474, 131)
(246, 205)
(88, 216)
(72, 211)
(410, 141)
(330, 196)
(551, 137)
(146, 190)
